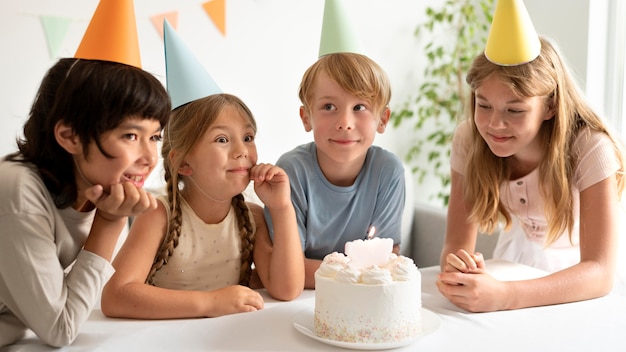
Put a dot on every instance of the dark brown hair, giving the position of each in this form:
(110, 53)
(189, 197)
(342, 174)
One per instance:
(92, 97)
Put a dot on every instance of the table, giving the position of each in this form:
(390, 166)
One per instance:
(594, 325)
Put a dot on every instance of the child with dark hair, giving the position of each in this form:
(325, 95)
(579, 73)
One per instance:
(88, 146)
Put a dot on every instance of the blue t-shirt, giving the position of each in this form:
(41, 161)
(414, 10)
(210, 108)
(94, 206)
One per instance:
(328, 215)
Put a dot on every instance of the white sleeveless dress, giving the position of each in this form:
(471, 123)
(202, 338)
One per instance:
(208, 256)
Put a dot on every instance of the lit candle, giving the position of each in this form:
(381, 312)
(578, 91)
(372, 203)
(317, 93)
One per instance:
(372, 251)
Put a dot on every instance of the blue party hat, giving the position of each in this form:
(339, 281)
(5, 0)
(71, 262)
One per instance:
(338, 34)
(187, 80)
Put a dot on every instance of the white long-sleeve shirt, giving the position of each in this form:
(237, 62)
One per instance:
(48, 283)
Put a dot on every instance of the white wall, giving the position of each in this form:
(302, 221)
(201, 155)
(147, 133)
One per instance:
(267, 47)
(567, 23)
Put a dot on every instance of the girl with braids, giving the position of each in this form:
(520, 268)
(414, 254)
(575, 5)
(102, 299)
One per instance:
(192, 256)
(535, 156)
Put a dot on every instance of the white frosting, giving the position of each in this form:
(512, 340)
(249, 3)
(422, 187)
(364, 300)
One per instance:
(332, 264)
(329, 270)
(398, 268)
(375, 275)
(403, 269)
(375, 304)
(348, 274)
(336, 258)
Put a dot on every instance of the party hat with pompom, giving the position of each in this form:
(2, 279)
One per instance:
(112, 34)
(512, 38)
(187, 80)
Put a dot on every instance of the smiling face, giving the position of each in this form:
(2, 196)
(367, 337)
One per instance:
(133, 147)
(220, 161)
(510, 124)
(343, 125)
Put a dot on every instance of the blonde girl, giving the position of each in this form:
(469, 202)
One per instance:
(536, 158)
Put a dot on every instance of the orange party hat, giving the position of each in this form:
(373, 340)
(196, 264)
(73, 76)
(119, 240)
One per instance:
(112, 34)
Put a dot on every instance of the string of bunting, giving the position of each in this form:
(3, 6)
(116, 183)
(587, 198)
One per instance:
(56, 27)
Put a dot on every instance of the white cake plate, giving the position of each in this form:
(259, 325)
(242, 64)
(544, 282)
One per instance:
(303, 322)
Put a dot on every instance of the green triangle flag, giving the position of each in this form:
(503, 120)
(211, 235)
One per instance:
(56, 29)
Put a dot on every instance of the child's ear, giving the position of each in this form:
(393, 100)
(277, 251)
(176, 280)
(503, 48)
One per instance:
(384, 119)
(67, 139)
(549, 114)
(304, 116)
(184, 169)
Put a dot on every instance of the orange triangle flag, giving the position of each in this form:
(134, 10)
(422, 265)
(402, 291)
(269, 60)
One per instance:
(157, 21)
(216, 9)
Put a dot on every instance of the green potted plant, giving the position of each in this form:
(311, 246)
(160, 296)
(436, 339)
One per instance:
(452, 36)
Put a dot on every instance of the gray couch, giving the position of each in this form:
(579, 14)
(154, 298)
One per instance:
(428, 228)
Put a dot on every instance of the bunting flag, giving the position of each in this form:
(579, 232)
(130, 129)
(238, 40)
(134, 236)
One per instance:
(55, 29)
(216, 10)
(157, 21)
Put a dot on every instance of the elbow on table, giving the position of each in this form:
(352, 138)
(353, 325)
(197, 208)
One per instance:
(286, 293)
(109, 308)
(59, 336)
(109, 303)
(58, 342)
(604, 287)
(602, 282)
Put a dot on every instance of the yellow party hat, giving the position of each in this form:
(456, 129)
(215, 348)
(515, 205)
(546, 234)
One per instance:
(112, 34)
(512, 38)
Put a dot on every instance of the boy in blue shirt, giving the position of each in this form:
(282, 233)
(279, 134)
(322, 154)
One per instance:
(342, 185)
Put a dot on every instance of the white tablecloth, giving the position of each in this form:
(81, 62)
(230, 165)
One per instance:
(594, 325)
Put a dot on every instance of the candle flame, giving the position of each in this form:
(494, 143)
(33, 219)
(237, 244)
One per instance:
(370, 234)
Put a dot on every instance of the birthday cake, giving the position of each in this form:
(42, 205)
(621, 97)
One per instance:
(364, 302)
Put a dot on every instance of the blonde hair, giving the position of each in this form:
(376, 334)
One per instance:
(357, 74)
(186, 126)
(546, 76)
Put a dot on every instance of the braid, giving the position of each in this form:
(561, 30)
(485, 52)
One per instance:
(173, 231)
(247, 238)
